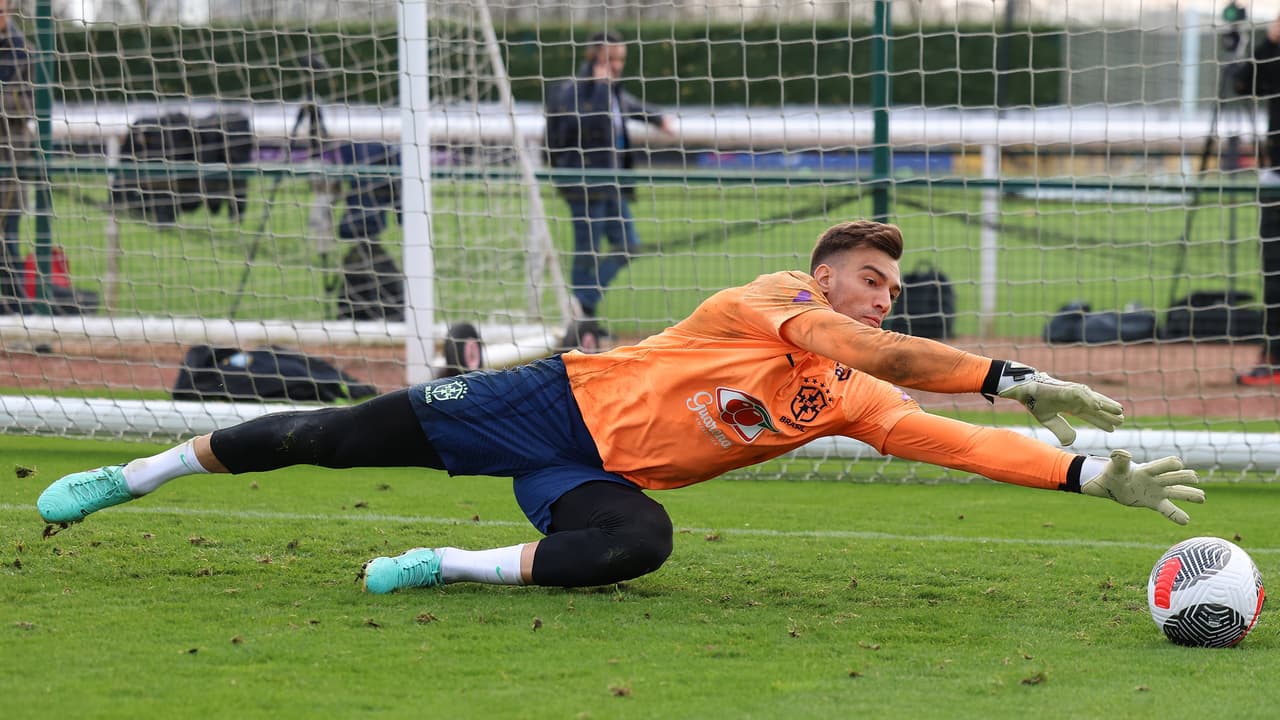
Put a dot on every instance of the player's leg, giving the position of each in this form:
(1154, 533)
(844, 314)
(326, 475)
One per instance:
(381, 432)
(11, 293)
(1268, 371)
(1271, 278)
(618, 229)
(584, 278)
(601, 532)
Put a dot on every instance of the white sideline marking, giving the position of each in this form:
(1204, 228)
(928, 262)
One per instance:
(753, 532)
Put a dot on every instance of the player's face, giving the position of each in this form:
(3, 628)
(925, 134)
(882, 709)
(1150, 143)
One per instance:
(614, 58)
(861, 284)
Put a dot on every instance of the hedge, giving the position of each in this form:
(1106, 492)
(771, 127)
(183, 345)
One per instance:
(722, 65)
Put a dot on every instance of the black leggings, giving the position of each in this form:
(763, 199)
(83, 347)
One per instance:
(381, 432)
(601, 532)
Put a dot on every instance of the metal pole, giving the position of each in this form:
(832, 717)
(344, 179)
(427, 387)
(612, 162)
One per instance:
(45, 45)
(881, 154)
(990, 253)
(415, 191)
(1002, 55)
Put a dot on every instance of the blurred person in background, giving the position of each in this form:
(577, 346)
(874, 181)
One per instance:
(587, 130)
(1262, 80)
(17, 110)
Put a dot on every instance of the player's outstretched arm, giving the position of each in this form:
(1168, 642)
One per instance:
(923, 364)
(1154, 485)
(1007, 456)
(1048, 399)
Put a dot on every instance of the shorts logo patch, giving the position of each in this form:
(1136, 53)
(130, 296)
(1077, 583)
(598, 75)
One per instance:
(454, 389)
(746, 415)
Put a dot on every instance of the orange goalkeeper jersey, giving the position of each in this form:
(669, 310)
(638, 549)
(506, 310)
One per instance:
(724, 389)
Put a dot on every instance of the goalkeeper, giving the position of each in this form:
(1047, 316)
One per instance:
(754, 372)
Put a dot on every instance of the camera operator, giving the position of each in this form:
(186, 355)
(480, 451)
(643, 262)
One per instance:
(1264, 83)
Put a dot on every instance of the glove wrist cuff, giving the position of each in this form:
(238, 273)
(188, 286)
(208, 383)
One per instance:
(1072, 483)
(1007, 374)
(991, 384)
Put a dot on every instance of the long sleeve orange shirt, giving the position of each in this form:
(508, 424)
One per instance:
(761, 369)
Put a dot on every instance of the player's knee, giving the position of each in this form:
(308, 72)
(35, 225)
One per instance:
(646, 542)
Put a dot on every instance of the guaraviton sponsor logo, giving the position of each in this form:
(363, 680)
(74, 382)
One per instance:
(747, 418)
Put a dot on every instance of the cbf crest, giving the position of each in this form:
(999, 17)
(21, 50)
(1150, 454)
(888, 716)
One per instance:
(810, 400)
(441, 390)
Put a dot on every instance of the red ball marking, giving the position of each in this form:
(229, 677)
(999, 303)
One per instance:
(1164, 581)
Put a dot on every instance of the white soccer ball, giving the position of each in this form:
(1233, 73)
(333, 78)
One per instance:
(1205, 592)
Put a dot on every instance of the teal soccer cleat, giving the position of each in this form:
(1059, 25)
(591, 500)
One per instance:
(419, 567)
(73, 497)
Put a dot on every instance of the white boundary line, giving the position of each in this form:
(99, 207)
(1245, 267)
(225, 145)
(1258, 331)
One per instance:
(751, 532)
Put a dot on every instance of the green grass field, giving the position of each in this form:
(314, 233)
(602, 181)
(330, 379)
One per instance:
(237, 597)
(697, 239)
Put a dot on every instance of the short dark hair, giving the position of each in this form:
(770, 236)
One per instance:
(605, 37)
(856, 234)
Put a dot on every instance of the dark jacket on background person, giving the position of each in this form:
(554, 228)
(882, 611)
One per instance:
(1264, 84)
(17, 110)
(581, 133)
(17, 75)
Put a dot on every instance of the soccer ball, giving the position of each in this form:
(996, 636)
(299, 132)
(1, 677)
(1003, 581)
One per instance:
(1205, 592)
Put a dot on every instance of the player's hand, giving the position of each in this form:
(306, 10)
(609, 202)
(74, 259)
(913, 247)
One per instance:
(1048, 398)
(1152, 485)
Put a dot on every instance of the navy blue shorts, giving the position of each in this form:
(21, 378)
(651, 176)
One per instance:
(521, 423)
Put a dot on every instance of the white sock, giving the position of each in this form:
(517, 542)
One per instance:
(499, 566)
(144, 475)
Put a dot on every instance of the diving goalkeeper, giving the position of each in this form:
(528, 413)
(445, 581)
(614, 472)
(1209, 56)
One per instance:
(754, 372)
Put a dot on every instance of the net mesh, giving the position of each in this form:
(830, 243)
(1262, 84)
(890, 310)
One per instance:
(1040, 163)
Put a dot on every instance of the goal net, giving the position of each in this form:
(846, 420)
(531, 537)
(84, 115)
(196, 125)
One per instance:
(351, 179)
(493, 258)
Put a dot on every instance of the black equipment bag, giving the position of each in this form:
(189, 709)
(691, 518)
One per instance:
(1213, 316)
(372, 195)
(178, 138)
(1075, 322)
(372, 286)
(927, 306)
(232, 374)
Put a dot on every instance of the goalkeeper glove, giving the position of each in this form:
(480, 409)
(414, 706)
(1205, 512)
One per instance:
(1048, 398)
(1152, 485)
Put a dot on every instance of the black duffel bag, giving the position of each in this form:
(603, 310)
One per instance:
(1076, 322)
(1213, 316)
(927, 306)
(232, 374)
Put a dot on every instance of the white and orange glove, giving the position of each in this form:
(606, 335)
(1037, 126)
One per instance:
(1152, 485)
(1048, 399)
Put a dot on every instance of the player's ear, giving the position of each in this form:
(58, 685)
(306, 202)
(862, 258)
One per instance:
(823, 274)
